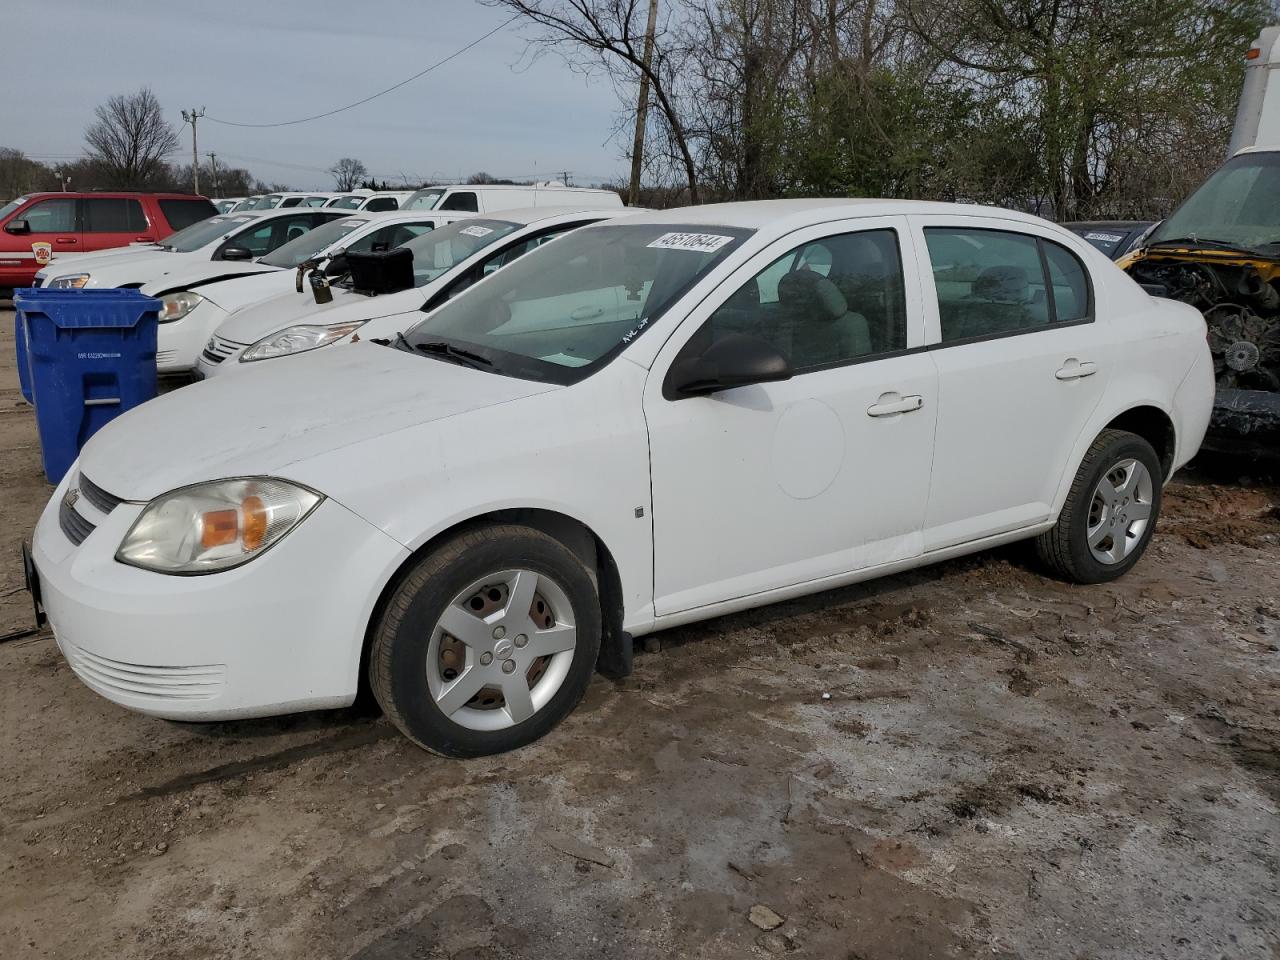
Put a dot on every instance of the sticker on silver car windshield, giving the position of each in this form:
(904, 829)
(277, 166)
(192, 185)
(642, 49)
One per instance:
(1104, 237)
(697, 242)
(476, 231)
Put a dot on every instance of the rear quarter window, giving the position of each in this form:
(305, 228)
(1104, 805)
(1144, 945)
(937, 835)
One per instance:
(183, 213)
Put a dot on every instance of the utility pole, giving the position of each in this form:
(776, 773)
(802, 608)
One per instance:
(642, 107)
(191, 118)
(213, 162)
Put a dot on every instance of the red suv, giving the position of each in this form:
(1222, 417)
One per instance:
(37, 226)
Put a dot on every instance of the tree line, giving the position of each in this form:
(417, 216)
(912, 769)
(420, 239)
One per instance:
(1069, 108)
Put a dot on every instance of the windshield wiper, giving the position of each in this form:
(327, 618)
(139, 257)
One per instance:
(1201, 242)
(439, 348)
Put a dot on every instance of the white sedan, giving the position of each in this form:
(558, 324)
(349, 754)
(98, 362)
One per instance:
(199, 297)
(445, 262)
(651, 421)
(233, 240)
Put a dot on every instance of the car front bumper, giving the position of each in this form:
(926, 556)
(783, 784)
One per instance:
(179, 342)
(279, 634)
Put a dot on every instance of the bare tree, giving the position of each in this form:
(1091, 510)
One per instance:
(347, 173)
(131, 138)
(609, 35)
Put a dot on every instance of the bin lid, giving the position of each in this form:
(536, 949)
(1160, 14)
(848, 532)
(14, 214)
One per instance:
(87, 309)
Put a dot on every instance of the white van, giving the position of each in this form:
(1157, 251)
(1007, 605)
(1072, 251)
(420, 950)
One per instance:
(486, 198)
(1258, 116)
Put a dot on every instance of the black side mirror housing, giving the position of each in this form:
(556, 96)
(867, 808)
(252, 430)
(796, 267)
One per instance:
(235, 253)
(336, 266)
(737, 360)
(17, 226)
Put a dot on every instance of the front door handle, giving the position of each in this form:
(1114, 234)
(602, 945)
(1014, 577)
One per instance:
(65, 240)
(890, 404)
(1074, 369)
(144, 239)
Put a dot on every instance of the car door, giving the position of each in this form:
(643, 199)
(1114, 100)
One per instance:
(52, 228)
(109, 222)
(772, 485)
(1022, 363)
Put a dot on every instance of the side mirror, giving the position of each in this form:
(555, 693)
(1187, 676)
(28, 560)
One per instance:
(734, 361)
(235, 253)
(17, 226)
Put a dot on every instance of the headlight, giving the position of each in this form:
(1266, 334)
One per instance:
(297, 340)
(214, 526)
(72, 281)
(176, 305)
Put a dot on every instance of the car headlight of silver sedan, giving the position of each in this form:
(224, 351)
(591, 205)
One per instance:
(214, 526)
(298, 339)
(72, 281)
(176, 305)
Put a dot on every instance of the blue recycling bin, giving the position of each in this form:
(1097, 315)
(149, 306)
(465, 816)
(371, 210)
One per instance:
(91, 355)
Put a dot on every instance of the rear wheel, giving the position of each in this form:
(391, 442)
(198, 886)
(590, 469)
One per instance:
(1110, 513)
(488, 643)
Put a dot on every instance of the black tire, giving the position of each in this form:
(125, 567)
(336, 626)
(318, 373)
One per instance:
(1064, 549)
(398, 657)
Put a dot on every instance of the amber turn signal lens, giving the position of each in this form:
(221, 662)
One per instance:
(254, 519)
(218, 528)
(1253, 53)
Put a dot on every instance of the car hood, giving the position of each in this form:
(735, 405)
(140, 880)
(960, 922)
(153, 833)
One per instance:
(122, 271)
(86, 262)
(271, 423)
(257, 321)
(240, 292)
(195, 276)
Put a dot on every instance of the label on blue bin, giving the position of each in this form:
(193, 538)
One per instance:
(98, 356)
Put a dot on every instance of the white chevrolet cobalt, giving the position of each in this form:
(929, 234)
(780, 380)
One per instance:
(651, 421)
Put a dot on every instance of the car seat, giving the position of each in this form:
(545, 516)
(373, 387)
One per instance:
(816, 321)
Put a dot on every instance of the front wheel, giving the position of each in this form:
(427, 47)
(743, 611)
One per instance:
(1110, 513)
(488, 643)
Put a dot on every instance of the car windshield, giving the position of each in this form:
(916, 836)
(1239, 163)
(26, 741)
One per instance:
(566, 309)
(311, 243)
(269, 202)
(199, 234)
(423, 200)
(437, 252)
(11, 206)
(349, 203)
(1238, 205)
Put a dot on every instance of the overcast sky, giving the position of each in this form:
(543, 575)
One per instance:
(273, 60)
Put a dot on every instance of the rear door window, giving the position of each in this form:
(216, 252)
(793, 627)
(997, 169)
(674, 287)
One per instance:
(183, 213)
(993, 283)
(113, 215)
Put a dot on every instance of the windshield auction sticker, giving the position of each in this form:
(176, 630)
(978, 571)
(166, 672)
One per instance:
(697, 242)
(476, 231)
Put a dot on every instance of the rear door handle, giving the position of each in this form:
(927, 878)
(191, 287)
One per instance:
(143, 239)
(1074, 369)
(890, 404)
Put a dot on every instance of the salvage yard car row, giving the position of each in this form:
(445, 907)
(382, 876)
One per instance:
(579, 427)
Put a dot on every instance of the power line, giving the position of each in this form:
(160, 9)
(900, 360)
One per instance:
(421, 73)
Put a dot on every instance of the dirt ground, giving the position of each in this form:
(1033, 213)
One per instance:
(1005, 767)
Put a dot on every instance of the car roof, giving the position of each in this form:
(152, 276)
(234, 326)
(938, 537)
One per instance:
(791, 214)
(82, 194)
(526, 216)
(1107, 224)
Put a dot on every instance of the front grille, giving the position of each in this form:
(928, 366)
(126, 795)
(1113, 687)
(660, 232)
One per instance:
(145, 682)
(217, 349)
(106, 502)
(72, 523)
